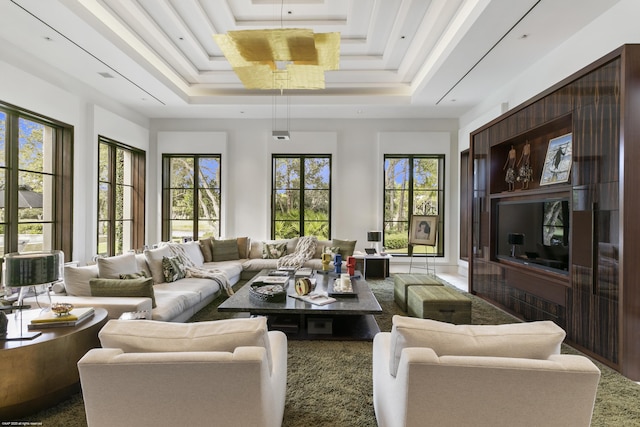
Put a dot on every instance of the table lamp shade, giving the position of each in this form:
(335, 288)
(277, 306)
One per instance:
(33, 268)
(516, 238)
(374, 236)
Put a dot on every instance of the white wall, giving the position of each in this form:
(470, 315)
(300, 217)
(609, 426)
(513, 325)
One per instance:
(357, 148)
(46, 97)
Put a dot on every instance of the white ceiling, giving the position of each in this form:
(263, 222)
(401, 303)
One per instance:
(399, 58)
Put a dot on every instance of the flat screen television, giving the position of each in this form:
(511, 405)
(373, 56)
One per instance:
(534, 232)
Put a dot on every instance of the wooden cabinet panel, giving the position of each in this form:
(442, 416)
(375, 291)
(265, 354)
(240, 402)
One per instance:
(598, 300)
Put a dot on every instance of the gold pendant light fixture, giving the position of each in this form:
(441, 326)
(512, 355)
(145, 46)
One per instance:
(284, 58)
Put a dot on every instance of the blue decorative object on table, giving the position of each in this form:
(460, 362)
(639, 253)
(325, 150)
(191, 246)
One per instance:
(337, 262)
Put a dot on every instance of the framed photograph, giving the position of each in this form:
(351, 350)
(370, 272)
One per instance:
(423, 230)
(557, 164)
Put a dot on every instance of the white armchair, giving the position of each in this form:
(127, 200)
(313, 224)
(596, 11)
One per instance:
(226, 373)
(432, 373)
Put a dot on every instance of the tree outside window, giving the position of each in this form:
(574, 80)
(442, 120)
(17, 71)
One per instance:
(413, 185)
(301, 196)
(191, 196)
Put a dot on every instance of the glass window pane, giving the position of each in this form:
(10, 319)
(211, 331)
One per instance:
(287, 173)
(425, 202)
(181, 202)
(30, 237)
(103, 204)
(316, 173)
(316, 205)
(425, 173)
(208, 228)
(179, 229)
(124, 238)
(124, 171)
(103, 162)
(182, 172)
(396, 237)
(287, 229)
(208, 203)
(320, 229)
(287, 205)
(396, 173)
(30, 145)
(209, 172)
(396, 205)
(104, 230)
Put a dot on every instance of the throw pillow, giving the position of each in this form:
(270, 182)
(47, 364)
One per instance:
(154, 259)
(273, 250)
(530, 340)
(144, 336)
(225, 250)
(346, 247)
(112, 267)
(207, 249)
(244, 246)
(193, 252)
(142, 287)
(172, 269)
(76, 279)
(137, 275)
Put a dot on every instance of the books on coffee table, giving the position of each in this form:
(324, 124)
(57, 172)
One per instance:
(315, 298)
(49, 319)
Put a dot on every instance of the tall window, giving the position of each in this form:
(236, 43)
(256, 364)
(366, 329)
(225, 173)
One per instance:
(191, 196)
(301, 196)
(36, 170)
(121, 187)
(413, 185)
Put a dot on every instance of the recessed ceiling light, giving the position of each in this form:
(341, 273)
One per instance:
(106, 75)
(47, 38)
(524, 36)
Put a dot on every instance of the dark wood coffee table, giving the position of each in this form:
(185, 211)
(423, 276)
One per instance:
(350, 317)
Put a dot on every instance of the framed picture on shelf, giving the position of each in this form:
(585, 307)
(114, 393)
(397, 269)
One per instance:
(423, 230)
(557, 163)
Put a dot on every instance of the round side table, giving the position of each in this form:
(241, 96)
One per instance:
(41, 372)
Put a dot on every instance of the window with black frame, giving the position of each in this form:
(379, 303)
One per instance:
(301, 196)
(121, 189)
(191, 196)
(36, 182)
(413, 185)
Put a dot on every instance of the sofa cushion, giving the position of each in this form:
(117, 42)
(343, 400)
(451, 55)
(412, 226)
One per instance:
(346, 247)
(76, 279)
(144, 336)
(207, 249)
(274, 250)
(244, 246)
(193, 251)
(142, 287)
(112, 267)
(172, 269)
(531, 340)
(154, 259)
(225, 250)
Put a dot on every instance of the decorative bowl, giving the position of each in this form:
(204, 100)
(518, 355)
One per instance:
(268, 292)
(61, 308)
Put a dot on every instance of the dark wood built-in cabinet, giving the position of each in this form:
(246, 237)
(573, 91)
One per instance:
(586, 278)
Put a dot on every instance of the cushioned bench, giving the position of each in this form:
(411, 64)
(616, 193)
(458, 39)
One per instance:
(402, 281)
(439, 303)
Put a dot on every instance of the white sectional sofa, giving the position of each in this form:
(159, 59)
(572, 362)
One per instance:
(179, 300)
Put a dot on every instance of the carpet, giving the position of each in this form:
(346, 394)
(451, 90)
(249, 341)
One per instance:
(329, 382)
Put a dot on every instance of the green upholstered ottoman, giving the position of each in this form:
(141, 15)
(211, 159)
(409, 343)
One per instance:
(439, 303)
(402, 281)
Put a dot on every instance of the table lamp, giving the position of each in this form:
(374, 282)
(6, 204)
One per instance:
(27, 270)
(374, 237)
(515, 239)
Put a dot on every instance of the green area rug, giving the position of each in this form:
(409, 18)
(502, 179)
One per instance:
(329, 383)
